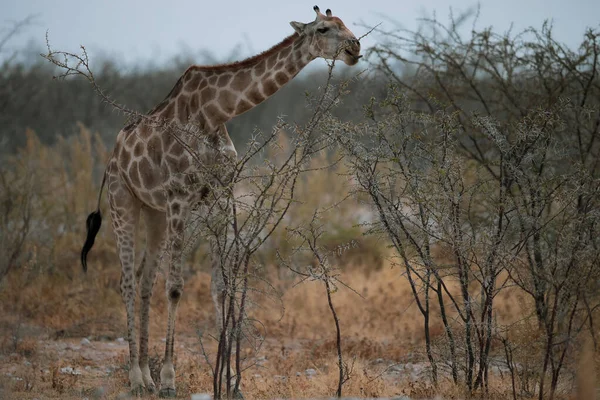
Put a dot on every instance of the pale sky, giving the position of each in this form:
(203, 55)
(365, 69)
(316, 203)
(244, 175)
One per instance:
(145, 32)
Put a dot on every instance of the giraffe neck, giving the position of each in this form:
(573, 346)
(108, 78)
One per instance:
(212, 95)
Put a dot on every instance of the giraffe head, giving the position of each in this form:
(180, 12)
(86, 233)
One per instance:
(329, 38)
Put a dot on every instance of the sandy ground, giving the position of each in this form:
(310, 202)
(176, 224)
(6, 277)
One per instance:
(78, 368)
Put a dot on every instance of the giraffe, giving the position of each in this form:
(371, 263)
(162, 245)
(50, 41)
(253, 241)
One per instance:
(150, 170)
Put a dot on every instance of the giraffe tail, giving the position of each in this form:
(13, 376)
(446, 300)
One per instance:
(93, 224)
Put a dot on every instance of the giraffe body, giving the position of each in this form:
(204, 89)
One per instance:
(155, 170)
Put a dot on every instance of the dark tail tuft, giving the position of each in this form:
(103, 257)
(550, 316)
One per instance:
(93, 223)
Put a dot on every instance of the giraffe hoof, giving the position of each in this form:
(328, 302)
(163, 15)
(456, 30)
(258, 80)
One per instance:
(137, 391)
(167, 392)
(150, 389)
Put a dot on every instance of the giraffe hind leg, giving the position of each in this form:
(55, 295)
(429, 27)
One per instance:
(125, 211)
(177, 213)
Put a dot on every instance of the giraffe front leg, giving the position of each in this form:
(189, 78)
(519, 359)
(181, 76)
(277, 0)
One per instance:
(218, 293)
(155, 233)
(176, 215)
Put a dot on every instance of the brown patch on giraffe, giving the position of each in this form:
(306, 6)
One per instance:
(134, 174)
(172, 163)
(155, 149)
(138, 150)
(175, 208)
(119, 198)
(184, 164)
(242, 106)
(252, 61)
(159, 197)
(271, 61)
(176, 149)
(203, 84)
(167, 139)
(269, 87)
(213, 80)
(285, 52)
(279, 65)
(144, 131)
(215, 114)
(169, 112)
(281, 78)
(148, 175)
(224, 80)
(207, 95)
(291, 68)
(194, 102)
(227, 101)
(241, 80)
(193, 84)
(183, 111)
(254, 95)
(260, 68)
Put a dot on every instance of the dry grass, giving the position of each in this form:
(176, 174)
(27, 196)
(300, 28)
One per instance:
(380, 328)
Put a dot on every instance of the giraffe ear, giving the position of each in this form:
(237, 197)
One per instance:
(298, 27)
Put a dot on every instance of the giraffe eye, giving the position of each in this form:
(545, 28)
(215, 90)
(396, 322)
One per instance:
(322, 30)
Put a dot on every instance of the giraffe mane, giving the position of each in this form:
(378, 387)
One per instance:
(248, 61)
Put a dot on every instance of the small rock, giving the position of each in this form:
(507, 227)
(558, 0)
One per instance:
(397, 367)
(163, 339)
(282, 378)
(201, 396)
(120, 340)
(310, 372)
(379, 361)
(27, 363)
(298, 374)
(69, 370)
(257, 376)
(85, 342)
